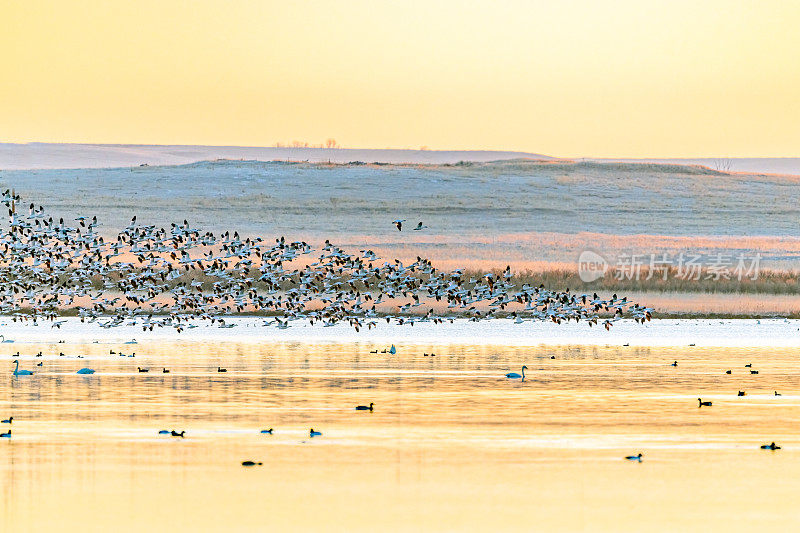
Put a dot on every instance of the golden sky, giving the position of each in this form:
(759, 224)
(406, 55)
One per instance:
(624, 78)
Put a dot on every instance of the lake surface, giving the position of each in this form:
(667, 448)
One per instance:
(451, 445)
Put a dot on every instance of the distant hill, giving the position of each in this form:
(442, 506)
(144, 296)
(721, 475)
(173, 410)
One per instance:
(53, 155)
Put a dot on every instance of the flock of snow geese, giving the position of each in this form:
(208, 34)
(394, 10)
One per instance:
(177, 276)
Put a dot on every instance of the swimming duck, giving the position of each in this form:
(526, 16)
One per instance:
(727, 371)
(702, 403)
(266, 431)
(313, 433)
(165, 371)
(251, 463)
(8, 420)
(364, 407)
(142, 370)
(754, 371)
(777, 393)
(637, 457)
(220, 369)
(771, 446)
(164, 432)
(176, 434)
(7, 434)
(85, 371)
(674, 363)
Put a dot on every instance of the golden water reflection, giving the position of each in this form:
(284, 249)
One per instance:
(451, 445)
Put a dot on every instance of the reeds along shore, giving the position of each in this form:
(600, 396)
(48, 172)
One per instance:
(767, 281)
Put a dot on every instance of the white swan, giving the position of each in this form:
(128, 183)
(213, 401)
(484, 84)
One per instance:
(514, 375)
(85, 371)
(18, 372)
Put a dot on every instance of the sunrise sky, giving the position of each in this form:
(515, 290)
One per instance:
(570, 78)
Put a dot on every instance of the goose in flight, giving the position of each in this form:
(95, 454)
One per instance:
(420, 227)
(399, 224)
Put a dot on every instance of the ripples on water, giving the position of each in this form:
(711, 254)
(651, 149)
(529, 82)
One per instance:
(451, 444)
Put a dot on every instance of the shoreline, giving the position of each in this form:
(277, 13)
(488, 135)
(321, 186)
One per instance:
(702, 333)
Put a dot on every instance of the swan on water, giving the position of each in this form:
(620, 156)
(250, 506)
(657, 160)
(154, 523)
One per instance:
(18, 372)
(514, 375)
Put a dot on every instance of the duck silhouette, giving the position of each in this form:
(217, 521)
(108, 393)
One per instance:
(365, 407)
